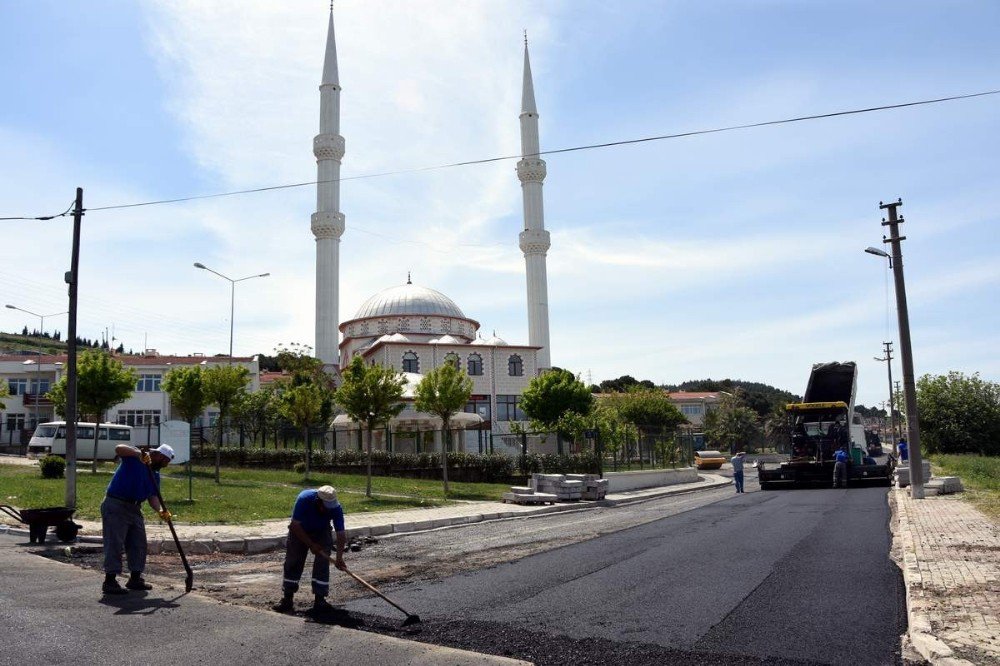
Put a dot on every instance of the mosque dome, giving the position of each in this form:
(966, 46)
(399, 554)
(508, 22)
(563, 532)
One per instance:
(409, 299)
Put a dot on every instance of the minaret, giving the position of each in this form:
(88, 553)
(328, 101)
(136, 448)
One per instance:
(328, 221)
(534, 240)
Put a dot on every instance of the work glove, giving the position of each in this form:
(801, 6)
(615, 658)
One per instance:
(145, 459)
(339, 563)
(165, 515)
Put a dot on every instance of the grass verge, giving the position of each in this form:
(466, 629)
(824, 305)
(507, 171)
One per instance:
(980, 475)
(244, 495)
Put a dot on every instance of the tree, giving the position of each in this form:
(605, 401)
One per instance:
(184, 385)
(224, 386)
(302, 405)
(776, 431)
(552, 394)
(258, 411)
(370, 395)
(102, 382)
(443, 391)
(4, 393)
(959, 414)
(732, 426)
(650, 411)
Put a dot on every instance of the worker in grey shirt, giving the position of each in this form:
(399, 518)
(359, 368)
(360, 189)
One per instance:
(737, 462)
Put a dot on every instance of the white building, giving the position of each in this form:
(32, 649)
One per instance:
(29, 378)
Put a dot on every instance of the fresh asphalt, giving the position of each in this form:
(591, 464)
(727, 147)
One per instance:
(795, 576)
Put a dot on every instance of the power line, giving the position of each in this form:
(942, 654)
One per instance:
(43, 217)
(555, 151)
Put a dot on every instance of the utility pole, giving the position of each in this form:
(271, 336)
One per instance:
(71, 407)
(892, 401)
(905, 349)
(899, 425)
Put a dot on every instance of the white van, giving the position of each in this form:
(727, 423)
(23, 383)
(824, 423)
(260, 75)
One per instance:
(50, 438)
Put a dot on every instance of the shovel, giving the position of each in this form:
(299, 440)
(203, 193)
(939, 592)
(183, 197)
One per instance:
(410, 617)
(189, 579)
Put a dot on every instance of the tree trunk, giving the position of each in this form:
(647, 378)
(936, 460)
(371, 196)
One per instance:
(368, 481)
(218, 447)
(97, 432)
(308, 440)
(444, 453)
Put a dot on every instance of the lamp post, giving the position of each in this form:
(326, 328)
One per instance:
(232, 298)
(38, 361)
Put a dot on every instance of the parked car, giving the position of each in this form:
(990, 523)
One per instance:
(708, 459)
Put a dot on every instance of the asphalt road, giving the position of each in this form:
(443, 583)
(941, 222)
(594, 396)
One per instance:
(799, 576)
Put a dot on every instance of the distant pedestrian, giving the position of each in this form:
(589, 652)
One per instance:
(737, 462)
(904, 450)
(309, 531)
(122, 524)
(840, 467)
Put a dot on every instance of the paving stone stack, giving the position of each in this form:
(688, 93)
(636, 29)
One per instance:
(594, 487)
(943, 485)
(527, 495)
(902, 474)
(557, 484)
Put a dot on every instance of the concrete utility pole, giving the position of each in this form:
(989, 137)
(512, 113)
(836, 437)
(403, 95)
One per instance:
(71, 415)
(905, 349)
(892, 401)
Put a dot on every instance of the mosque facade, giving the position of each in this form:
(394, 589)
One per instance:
(414, 329)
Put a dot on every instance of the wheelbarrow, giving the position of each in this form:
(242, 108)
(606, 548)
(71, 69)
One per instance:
(40, 520)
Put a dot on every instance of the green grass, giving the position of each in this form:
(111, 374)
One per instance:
(245, 495)
(980, 476)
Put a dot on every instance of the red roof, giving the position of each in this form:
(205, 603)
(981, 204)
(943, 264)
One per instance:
(269, 376)
(693, 395)
(130, 360)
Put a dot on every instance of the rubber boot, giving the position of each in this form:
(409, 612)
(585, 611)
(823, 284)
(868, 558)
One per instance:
(285, 605)
(320, 605)
(111, 585)
(137, 582)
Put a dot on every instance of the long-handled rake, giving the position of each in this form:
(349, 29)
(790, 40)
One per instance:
(189, 579)
(410, 617)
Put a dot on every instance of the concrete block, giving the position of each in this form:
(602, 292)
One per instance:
(264, 544)
(229, 545)
(521, 490)
(379, 530)
(358, 532)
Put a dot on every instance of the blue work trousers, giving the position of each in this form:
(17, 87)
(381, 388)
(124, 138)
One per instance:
(738, 480)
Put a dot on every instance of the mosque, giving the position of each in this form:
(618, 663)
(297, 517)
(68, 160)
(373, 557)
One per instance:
(414, 329)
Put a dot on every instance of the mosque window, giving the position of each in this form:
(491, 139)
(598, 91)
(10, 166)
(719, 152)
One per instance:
(425, 324)
(410, 362)
(509, 408)
(364, 328)
(452, 357)
(383, 326)
(475, 365)
(446, 325)
(515, 367)
(404, 325)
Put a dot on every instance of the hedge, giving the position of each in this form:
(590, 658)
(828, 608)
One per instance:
(488, 467)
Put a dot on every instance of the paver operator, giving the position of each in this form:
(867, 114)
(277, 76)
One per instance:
(737, 462)
(122, 524)
(840, 467)
(309, 531)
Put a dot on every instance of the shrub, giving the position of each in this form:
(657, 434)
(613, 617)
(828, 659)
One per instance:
(299, 467)
(53, 467)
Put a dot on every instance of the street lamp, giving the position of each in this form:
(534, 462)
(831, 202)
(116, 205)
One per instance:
(38, 361)
(232, 298)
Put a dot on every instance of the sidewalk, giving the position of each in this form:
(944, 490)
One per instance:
(270, 535)
(951, 568)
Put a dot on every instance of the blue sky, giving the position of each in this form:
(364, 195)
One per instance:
(736, 254)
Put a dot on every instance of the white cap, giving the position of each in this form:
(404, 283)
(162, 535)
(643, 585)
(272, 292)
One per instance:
(329, 496)
(165, 450)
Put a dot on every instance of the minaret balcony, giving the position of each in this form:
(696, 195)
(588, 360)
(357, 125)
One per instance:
(531, 170)
(534, 241)
(328, 224)
(328, 147)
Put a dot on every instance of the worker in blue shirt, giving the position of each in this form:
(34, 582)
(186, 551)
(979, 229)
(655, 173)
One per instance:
(309, 531)
(122, 525)
(737, 462)
(841, 459)
(904, 450)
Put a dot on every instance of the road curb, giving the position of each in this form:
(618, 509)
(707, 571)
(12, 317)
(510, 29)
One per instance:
(919, 628)
(264, 544)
